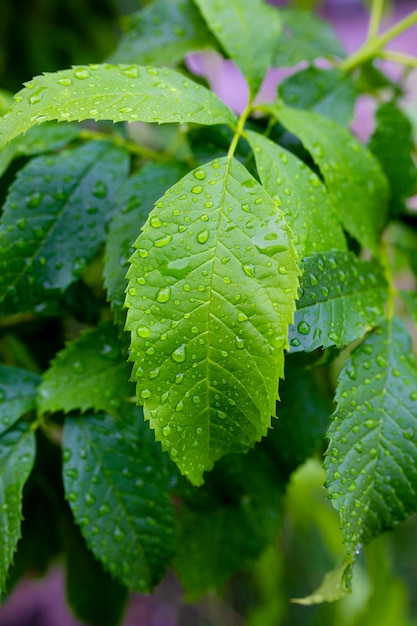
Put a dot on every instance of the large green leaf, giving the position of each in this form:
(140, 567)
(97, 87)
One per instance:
(370, 461)
(116, 480)
(341, 298)
(89, 373)
(17, 453)
(54, 221)
(163, 33)
(229, 521)
(135, 199)
(211, 294)
(120, 93)
(393, 144)
(305, 37)
(300, 195)
(249, 32)
(17, 394)
(330, 92)
(50, 137)
(357, 186)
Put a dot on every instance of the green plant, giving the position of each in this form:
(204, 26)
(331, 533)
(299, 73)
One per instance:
(271, 241)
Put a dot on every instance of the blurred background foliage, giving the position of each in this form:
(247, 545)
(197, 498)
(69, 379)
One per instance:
(47, 35)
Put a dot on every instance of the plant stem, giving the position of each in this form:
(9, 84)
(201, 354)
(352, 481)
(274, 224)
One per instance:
(239, 130)
(399, 57)
(131, 146)
(373, 47)
(375, 19)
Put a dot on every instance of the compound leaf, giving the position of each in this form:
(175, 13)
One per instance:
(54, 221)
(341, 298)
(120, 93)
(17, 454)
(163, 33)
(88, 373)
(331, 93)
(17, 394)
(305, 37)
(300, 195)
(211, 294)
(357, 186)
(249, 32)
(135, 199)
(370, 461)
(116, 480)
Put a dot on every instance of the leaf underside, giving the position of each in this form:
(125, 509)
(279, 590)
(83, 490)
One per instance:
(211, 293)
(370, 461)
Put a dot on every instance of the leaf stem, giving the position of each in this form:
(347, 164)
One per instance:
(392, 291)
(239, 130)
(131, 146)
(373, 47)
(399, 57)
(375, 19)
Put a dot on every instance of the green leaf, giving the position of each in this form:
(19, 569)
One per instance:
(17, 454)
(300, 195)
(393, 145)
(335, 586)
(357, 186)
(17, 394)
(120, 93)
(162, 34)
(50, 137)
(330, 92)
(249, 32)
(116, 481)
(89, 373)
(54, 222)
(341, 298)
(135, 199)
(211, 294)
(411, 301)
(370, 461)
(305, 37)
(228, 522)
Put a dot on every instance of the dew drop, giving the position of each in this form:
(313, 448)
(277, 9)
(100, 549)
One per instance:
(164, 295)
(239, 343)
(81, 73)
(163, 241)
(143, 331)
(249, 269)
(303, 328)
(200, 174)
(65, 81)
(179, 354)
(155, 221)
(197, 189)
(203, 236)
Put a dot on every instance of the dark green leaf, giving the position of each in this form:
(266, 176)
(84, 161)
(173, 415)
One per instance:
(249, 32)
(305, 37)
(163, 33)
(120, 93)
(116, 481)
(17, 453)
(341, 298)
(211, 294)
(300, 195)
(393, 145)
(135, 199)
(50, 137)
(54, 221)
(17, 394)
(357, 186)
(89, 373)
(329, 92)
(370, 461)
(229, 521)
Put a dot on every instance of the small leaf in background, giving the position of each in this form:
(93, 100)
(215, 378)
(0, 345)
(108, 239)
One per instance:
(229, 521)
(117, 484)
(336, 584)
(17, 394)
(370, 461)
(135, 199)
(330, 92)
(162, 34)
(358, 188)
(300, 195)
(17, 454)
(248, 31)
(212, 289)
(341, 298)
(305, 37)
(50, 137)
(54, 221)
(125, 93)
(89, 373)
(393, 145)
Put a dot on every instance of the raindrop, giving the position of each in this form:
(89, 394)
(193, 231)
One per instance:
(163, 241)
(143, 331)
(240, 343)
(78, 367)
(179, 354)
(303, 327)
(65, 81)
(200, 174)
(203, 236)
(196, 189)
(155, 221)
(241, 317)
(100, 189)
(81, 73)
(164, 295)
(179, 378)
(249, 269)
